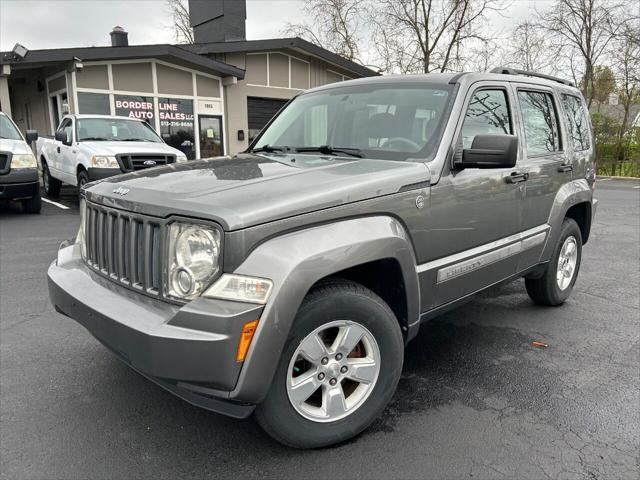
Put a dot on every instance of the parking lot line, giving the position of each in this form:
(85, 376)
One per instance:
(59, 205)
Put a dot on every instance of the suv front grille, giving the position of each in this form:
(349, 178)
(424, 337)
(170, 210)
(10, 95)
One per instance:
(133, 162)
(125, 247)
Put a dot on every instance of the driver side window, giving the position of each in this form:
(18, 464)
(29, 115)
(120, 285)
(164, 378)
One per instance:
(487, 113)
(66, 126)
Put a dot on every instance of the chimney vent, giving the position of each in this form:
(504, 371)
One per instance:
(119, 38)
(218, 20)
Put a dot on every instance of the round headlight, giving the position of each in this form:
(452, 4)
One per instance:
(197, 250)
(194, 258)
(183, 280)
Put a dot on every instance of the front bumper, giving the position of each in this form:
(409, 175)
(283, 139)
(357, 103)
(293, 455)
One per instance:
(19, 183)
(188, 350)
(96, 173)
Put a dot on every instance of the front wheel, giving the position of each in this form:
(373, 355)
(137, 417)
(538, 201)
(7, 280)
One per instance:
(83, 179)
(557, 282)
(51, 185)
(339, 368)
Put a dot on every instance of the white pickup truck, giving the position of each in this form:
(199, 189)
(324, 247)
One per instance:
(92, 147)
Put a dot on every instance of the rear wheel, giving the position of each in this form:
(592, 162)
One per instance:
(339, 369)
(33, 205)
(51, 185)
(556, 284)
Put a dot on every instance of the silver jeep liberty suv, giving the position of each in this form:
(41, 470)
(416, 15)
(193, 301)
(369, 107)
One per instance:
(285, 281)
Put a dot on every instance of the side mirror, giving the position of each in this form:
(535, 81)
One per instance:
(490, 151)
(61, 136)
(31, 136)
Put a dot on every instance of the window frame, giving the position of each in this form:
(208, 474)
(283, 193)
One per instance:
(72, 128)
(472, 94)
(555, 119)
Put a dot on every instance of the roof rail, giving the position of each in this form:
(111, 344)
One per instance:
(514, 71)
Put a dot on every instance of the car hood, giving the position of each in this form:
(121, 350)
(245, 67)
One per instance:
(246, 190)
(16, 147)
(119, 148)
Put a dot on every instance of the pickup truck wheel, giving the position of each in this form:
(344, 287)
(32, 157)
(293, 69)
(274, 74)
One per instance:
(339, 368)
(51, 185)
(83, 179)
(557, 282)
(33, 205)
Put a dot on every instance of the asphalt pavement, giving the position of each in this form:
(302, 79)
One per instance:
(476, 399)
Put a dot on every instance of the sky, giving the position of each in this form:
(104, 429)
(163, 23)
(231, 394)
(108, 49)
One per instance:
(41, 24)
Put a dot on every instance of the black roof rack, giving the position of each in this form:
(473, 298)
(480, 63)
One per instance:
(514, 71)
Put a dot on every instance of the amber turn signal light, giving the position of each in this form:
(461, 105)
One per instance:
(248, 330)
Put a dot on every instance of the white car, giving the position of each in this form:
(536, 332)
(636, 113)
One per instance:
(92, 147)
(18, 167)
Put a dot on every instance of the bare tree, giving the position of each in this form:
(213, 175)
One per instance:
(429, 35)
(529, 49)
(626, 61)
(181, 26)
(335, 25)
(584, 28)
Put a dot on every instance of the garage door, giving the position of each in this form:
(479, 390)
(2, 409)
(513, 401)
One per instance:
(260, 111)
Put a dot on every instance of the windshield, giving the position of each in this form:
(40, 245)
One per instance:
(376, 121)
(8, 129)
(115, 130)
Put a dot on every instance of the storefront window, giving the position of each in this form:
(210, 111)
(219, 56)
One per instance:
(93, 103)
(177, 124)
(134, 106)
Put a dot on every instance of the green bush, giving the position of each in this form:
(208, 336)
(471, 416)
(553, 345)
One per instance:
(615, 156)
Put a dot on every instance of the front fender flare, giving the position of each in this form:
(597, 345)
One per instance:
(295, 262)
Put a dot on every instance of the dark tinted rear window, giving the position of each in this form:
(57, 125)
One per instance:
(577, 122)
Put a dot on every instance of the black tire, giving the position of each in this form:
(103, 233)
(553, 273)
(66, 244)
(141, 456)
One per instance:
(33, 205)
(337, 300)
(51, 185)
(545, 289)
(83, 179)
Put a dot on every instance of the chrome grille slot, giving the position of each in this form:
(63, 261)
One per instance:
(141, 161)
(125, 247)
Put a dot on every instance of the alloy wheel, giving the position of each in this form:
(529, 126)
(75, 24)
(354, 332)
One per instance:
(567, 262)
(333, 371)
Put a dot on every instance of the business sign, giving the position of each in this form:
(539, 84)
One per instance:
(135, 107)
(175, 113)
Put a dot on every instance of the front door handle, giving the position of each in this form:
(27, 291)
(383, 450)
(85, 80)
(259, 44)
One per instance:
(516, 177)
(58, 149)
(565, 167)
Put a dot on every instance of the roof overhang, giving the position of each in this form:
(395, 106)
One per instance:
(294, 43)
(170, 53)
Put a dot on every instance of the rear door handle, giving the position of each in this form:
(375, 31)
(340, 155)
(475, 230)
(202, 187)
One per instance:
(565, 167)
(516, 177)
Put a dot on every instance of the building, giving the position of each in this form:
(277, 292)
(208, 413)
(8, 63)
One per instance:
(208, 98)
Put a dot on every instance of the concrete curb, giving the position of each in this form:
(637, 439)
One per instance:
(600, 177)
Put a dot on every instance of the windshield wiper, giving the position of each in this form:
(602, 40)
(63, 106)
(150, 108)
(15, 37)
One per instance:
(135, 140)
(329, 150)
(95, 139)
(270, 149)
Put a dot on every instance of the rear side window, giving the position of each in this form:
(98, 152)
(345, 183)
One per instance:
(488, 113)
(540, 123)
(577, 121)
